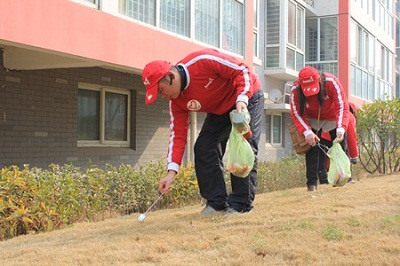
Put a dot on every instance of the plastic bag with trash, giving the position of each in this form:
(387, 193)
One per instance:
(339, 169)
(240, 154)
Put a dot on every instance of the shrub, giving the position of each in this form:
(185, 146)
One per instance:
(37, 200)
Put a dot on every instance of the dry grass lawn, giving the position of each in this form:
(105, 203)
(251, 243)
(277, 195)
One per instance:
(358, 224)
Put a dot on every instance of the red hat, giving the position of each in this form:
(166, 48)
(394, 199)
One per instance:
(153, 72)
(309, 80)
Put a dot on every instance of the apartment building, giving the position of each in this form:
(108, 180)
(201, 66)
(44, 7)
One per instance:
(70, 70)
(352, 39)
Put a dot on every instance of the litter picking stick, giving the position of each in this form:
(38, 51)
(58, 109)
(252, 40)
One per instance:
(321, 146)
(143, 215)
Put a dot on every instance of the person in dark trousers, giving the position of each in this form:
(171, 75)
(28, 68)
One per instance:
(318, 104)
(215, 83)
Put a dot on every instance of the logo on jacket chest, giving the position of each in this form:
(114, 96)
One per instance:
(193, 105)
(210, 80)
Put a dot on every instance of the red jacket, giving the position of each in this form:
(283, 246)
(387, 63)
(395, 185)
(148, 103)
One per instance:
(352, 143)
(215, 82)
(334, 108)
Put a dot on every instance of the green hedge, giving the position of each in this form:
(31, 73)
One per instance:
(36, 200)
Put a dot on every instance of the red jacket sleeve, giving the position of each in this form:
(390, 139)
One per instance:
(178, 137)
(301, 124)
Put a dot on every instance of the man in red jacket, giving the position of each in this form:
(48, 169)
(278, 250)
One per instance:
(318, 104)
(215, 83)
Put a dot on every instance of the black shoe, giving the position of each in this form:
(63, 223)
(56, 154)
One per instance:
(324, 182)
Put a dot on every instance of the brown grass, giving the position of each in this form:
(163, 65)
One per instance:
(358, 224)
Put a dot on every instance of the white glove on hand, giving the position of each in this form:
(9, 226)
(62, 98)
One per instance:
(340, 134)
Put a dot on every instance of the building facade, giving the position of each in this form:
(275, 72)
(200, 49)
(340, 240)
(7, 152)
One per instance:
(70, 85)
(352, 39)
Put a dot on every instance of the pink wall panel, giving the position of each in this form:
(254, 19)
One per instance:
(67, 27)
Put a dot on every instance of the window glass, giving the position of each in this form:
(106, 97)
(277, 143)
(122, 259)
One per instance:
(272, 18)
(371, 86)
(276, 129)
(364, 50)
(116, 116)
(268, 128)
(217, 23)
(371, 54)
(103, 116)
(255, 27)
(142, 10)
(291, 23)
(379, 61)
(364, 88)
(300, 28)
(88, 115)
(328, 39)
(358, 81)
(290, 58)
(233, 26)
(299, 61)
(207, 21)
(311, 40)
(174, 16)
(272, 57)
(353, 79)
(390, 68)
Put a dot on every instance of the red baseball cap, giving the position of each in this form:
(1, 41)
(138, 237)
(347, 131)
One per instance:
(309, 80)
(153, 72)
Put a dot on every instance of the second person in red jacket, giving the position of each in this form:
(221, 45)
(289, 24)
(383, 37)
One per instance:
(318, 104)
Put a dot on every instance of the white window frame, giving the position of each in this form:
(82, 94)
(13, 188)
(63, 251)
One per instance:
(102, 142)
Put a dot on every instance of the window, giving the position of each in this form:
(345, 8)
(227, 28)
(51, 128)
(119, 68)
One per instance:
(207, 22)
(322, 43)
(217, 23)
(276, 129)
(328, 39)
(370, 80)
(142, 10)
(311, 40)
(233, 26)
(103, 116)
(272, 33)
(174, 16)
(256, 27)
(295, 37)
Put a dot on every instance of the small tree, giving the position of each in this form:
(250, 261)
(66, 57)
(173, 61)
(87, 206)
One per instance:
(378, 130)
